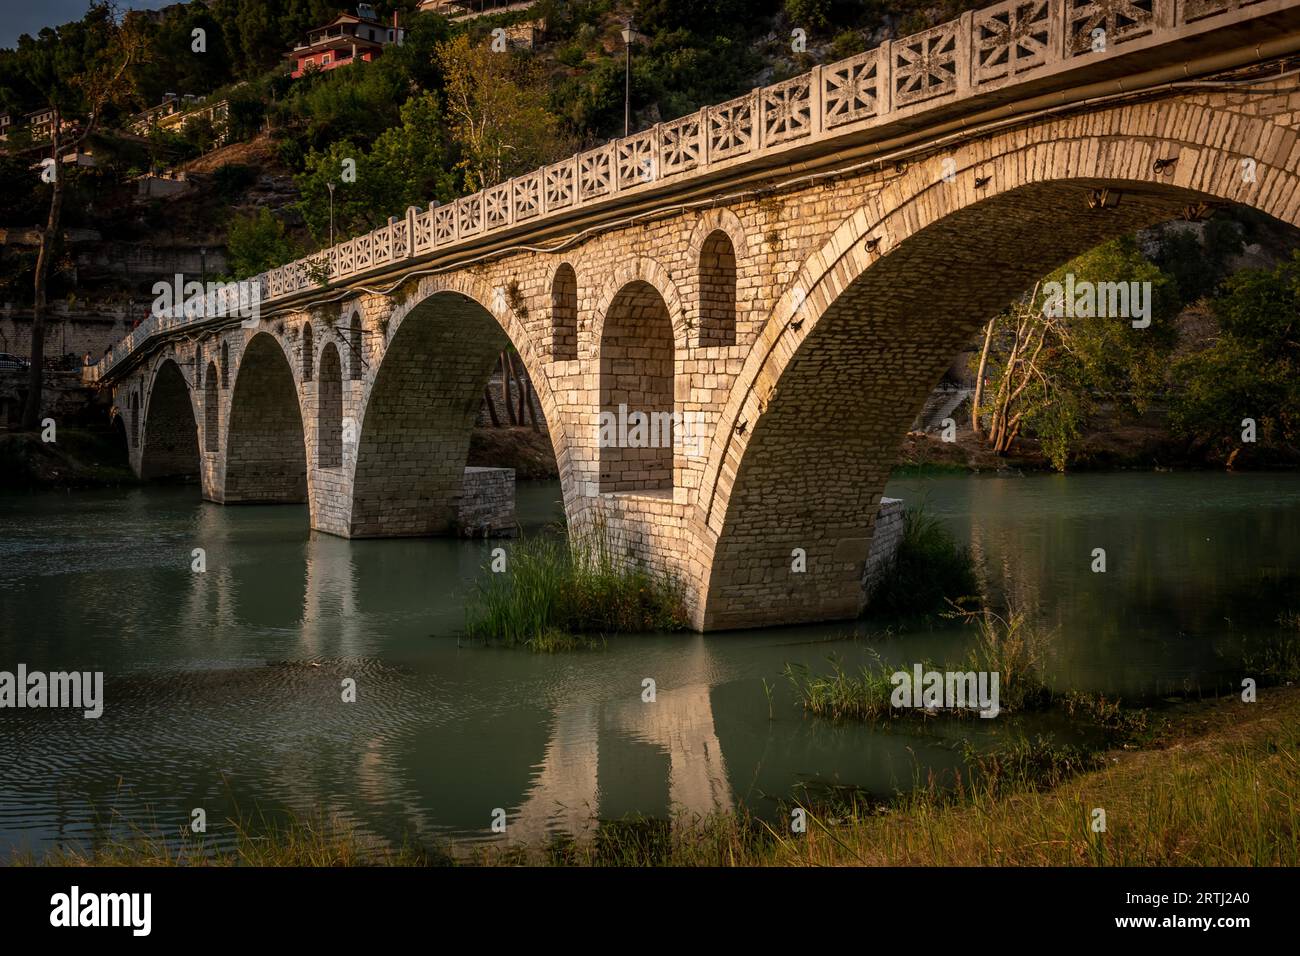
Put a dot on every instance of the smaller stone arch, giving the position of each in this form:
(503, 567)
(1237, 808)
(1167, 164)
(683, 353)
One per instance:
(717, 290)
(564, 314)
(308, 351)
(652, 273)
(211, 410)
(717, 246)
(637, 392)
(329, 409)
(355, 359)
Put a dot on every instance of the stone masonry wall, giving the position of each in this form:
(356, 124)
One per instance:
(885, 539)
(487, 504)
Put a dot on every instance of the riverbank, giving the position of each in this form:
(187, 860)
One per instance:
(1215, 785)
(1115, 442)
(80, 458)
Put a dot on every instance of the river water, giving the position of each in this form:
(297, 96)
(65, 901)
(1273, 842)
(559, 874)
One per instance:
(223, 688)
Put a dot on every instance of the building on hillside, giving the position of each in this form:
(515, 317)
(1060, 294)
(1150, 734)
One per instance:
(469, 9)
(40, 124)
(349, 38)
(175, 113)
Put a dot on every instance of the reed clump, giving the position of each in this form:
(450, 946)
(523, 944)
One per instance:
(559, 594)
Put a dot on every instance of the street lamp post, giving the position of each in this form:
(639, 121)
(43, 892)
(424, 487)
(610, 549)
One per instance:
(629, 35)
(331, 189)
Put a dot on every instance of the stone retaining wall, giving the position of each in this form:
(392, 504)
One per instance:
(884, 543)
(487, 504)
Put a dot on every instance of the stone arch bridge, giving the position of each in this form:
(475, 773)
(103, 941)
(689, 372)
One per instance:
(789, 272)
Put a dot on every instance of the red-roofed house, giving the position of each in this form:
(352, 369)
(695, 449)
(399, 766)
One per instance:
(350, 37)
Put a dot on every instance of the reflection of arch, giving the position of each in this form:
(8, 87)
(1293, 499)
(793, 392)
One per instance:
(564, 314)
(265, 457)
(355, 363)
(308, 351)
(329, 409)
(211, 410)
(681, 724)
(863, 309)
(717, 290)
(171, 443)
(636, 392)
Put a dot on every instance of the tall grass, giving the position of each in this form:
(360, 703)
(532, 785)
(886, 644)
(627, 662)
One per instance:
(560, 593)
(841, 695)
(1016, 649)
(1012, 647)
(1276, 657)
(929, 573)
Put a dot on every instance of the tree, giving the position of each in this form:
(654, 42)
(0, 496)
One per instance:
(496, 103)
(408, 165)
(1049, 368)
(1252, 370)
(80, 70)
(256, 243)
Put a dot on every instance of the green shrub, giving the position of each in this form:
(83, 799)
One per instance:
(928, 574)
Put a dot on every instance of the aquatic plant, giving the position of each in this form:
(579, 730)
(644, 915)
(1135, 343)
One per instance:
(566, 593)
(929, 573)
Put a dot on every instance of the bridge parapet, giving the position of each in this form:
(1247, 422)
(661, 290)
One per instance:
(1047, 45)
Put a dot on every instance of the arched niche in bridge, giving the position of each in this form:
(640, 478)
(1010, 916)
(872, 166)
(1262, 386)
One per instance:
(266, 460)
(356, 361)
(119, 429)
(171, 436)
(308, 351)
(329, 409)
(564, 314)
(211, 410)
(826, 404)
(636, 392)
(225, 364)
(717, 290)
(418, 417)
(135, 418)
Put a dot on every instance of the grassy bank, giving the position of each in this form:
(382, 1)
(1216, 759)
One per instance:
(563, 593)
(1219, 785)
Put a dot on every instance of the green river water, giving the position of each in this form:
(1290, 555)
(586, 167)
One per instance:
(222, 688)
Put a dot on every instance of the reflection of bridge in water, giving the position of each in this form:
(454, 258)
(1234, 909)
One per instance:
(565, 796)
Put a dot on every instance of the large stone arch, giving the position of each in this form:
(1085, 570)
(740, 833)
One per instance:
(806, 442)
(265, 448)
(171, 442)
(419, 404)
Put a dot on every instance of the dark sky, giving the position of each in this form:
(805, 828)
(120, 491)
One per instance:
(28, 16)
